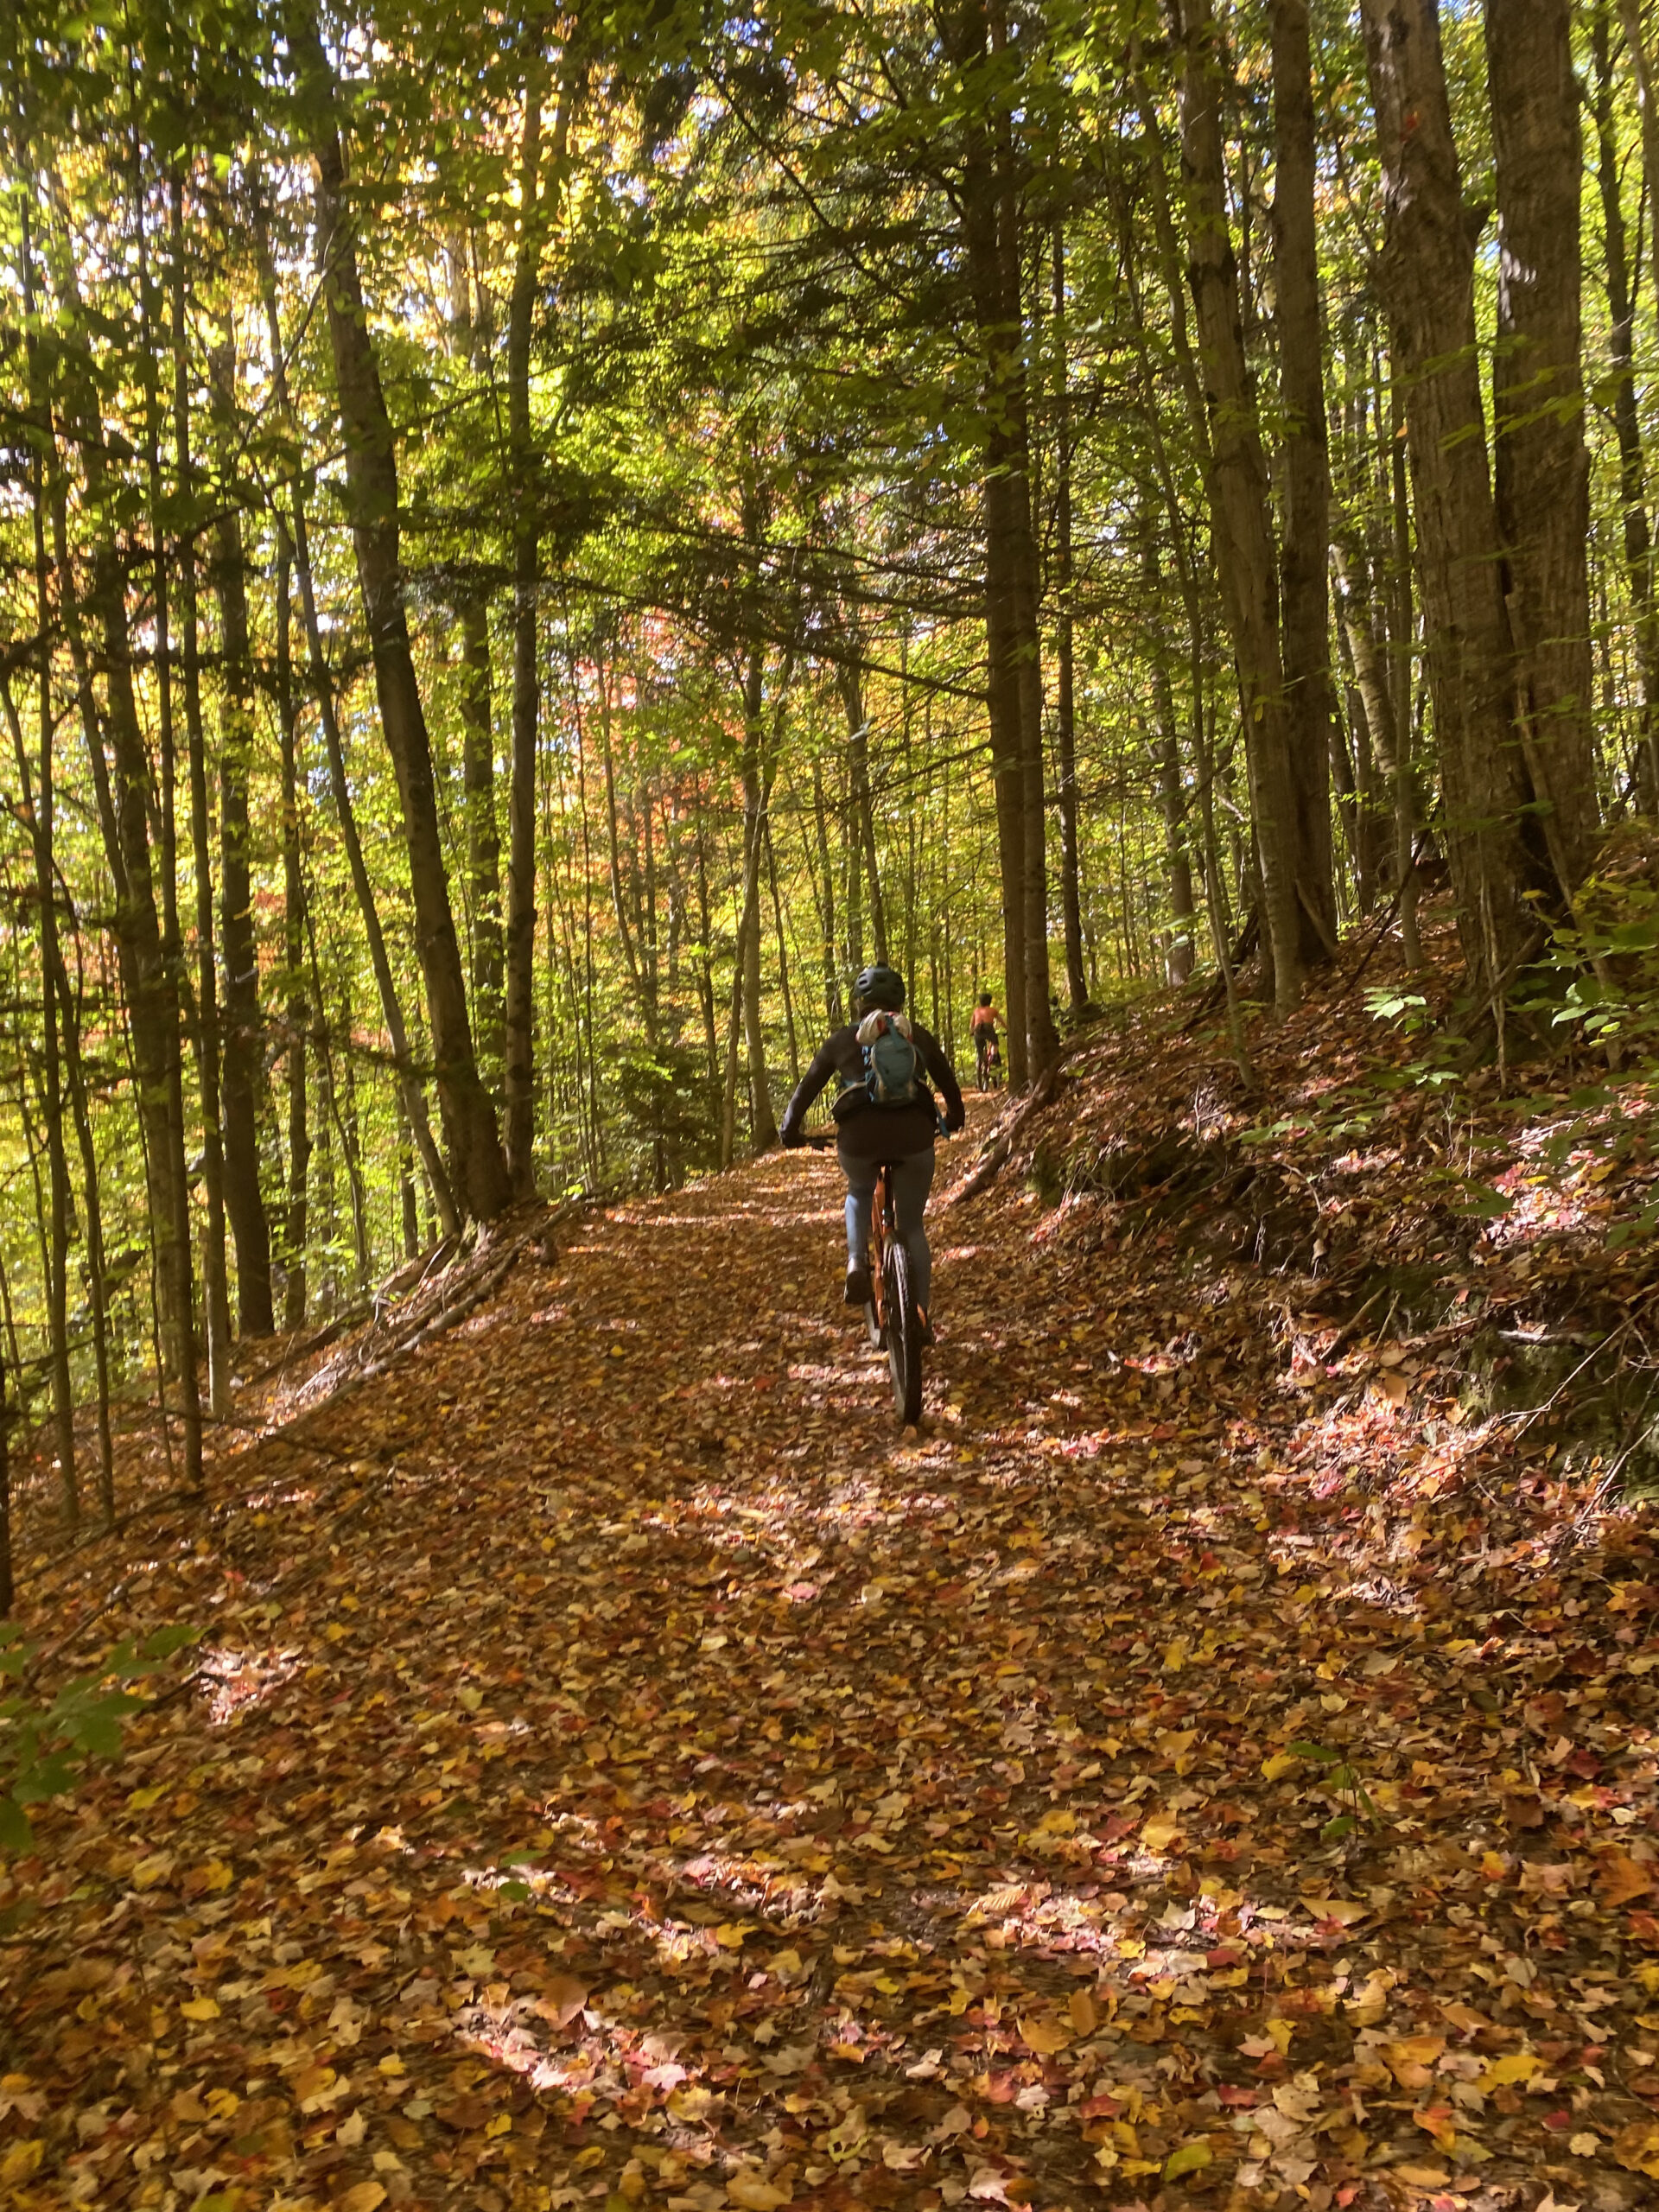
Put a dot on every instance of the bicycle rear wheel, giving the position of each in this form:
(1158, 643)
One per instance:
(904, 1336)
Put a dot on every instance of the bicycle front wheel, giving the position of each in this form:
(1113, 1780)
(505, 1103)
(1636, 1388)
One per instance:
(904, 1336)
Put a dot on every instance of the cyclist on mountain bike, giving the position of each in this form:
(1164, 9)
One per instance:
(870, 1135)
(983, 1027)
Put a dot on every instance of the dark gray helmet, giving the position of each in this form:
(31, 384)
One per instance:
(879, 986)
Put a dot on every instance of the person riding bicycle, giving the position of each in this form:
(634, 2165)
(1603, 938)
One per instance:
(870, 1136)
(983, 1027)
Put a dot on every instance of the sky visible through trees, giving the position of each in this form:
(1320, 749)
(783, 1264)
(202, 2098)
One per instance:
(533, 544)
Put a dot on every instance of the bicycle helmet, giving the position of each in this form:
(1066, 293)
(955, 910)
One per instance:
(878, 986)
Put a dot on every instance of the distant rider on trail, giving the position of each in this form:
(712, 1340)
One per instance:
(885, 1113)
(983, 1027)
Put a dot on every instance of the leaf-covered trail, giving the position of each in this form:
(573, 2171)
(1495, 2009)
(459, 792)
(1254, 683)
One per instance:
(626, 1772)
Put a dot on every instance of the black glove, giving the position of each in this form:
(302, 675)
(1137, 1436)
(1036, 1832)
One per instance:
(954, 1120)
(791, 1139)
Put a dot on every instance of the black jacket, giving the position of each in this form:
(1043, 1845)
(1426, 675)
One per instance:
(877, 1132)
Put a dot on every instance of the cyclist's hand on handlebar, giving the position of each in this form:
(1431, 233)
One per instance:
(956, 1121)
(791, 1139)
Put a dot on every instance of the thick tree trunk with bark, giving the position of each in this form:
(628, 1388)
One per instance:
(1357, 610)
(1636, 528)
(1427, 278)
(1626, 424)
(243, 1063)
(1065, 713)
(1240, 516)
(1304, 552)
(1542, 477)
(480, 1167)
(989, 198)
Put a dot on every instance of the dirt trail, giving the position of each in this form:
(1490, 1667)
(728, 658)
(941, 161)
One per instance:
(626, 1772)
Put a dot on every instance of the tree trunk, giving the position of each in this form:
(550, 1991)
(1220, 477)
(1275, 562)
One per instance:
(1237, 481)
(96, 1268)
(1305, 543)
(1042, 1043)
(1065, 732)
(297, 1013)
(975, 36)
(1542, 468)
(1358, 613)
(409, 1084)
(862, 808)
(125, 800)
(1171, 802)
(757, 793)
(520, 1038)
(1632, 470)
(216, 1298)
(826, 870)
(481, 1174)
(1428, 279)
(243, 1066)
(483, 838)
(38, 806)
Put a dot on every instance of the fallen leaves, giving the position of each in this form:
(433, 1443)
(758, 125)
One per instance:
(832, 1819)
(1623, 1878)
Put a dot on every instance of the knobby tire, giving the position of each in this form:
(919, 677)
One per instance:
(904, 1336)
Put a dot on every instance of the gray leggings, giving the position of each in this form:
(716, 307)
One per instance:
(912, 1179)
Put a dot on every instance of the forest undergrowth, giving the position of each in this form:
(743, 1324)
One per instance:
(1210, 1761)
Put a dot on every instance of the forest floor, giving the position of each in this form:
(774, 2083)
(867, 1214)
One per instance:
(619, 1768)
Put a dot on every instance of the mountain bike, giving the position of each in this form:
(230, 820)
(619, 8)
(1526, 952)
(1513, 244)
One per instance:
(987, 1061)
(890, 1313)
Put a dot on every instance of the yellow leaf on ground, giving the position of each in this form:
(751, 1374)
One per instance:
(200, 2008)
(21, 2160)
(1188, 2159)
(1346, 1911)
(363, 2197)
(753, 2194)
(1044, 2036)
(1160, 1831)
(1635, 2148)
(1519, 2066)
(1083, 2013)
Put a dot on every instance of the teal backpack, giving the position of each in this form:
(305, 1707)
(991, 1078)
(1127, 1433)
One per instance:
(892, 1066)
